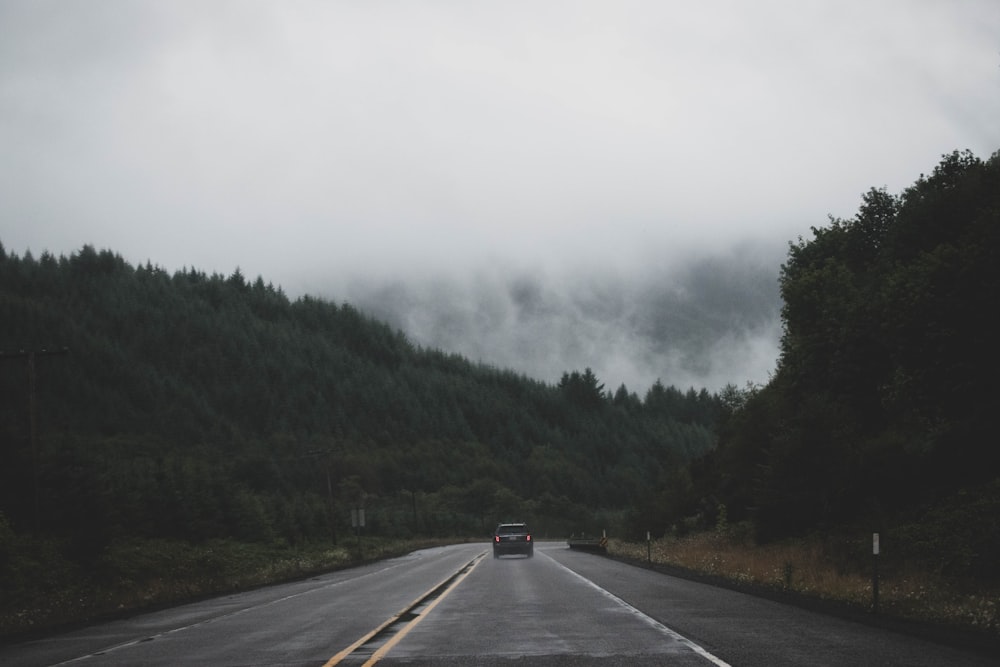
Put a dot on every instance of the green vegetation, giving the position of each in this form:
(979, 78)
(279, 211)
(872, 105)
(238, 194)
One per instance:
(878, 417)
(880, 409)
(133, 574)
(193, 411)
(193, 408)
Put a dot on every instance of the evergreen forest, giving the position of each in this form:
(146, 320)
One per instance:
(192, 407)
(879, 413)
(139, 404)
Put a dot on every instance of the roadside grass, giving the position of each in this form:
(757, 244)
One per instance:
(809, 567)
(42, 592)
(137, 575)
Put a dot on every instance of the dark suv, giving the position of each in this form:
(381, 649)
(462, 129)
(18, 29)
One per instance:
(511, 538)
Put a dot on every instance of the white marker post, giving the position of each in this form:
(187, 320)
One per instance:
(875, 552)
(358, 522)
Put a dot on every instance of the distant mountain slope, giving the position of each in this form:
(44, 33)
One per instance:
(209, 401)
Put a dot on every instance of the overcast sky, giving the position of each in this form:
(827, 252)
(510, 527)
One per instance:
(428, 158)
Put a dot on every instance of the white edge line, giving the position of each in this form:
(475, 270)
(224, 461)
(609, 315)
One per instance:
(719, 662)
(212, 619)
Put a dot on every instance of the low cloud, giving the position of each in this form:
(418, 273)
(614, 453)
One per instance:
(541, 186)
(707, 322)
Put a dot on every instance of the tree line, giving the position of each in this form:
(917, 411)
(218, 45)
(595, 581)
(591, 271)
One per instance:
(879, 414)
(194, 406)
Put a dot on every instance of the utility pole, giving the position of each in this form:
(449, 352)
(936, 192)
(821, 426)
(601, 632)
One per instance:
(327, 454)
(30, 356)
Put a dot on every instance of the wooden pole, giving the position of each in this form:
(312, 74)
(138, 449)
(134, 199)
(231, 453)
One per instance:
(30, 356)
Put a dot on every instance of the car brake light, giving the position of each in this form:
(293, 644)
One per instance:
(496, 538)
(529, 538)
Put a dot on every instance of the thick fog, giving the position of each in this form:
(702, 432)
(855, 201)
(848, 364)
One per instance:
(539, 185)
(704, 322)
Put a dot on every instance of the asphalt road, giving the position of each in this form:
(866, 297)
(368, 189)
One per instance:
(458, 606)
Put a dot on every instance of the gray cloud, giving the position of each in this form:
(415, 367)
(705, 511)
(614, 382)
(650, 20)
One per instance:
(474, 146)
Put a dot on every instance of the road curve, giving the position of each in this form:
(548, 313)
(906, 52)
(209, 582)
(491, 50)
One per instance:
(455, 606)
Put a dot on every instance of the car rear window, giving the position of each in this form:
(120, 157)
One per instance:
(512, 528)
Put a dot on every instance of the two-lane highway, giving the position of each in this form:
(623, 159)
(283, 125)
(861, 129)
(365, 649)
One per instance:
(459, 606)
(540, 611)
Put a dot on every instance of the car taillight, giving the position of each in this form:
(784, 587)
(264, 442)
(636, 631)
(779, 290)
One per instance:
(496, 538)
(529, 538)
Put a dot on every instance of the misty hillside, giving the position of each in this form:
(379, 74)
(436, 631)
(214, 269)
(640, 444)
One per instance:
(704, 321)
(193, 406)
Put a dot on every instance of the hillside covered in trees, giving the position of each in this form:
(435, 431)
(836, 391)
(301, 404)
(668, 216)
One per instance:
(191, 407)
(880, 413)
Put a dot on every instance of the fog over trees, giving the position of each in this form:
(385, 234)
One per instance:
(705, 321)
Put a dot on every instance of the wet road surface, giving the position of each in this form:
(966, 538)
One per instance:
(459, 606)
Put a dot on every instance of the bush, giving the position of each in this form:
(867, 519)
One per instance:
(959, 537)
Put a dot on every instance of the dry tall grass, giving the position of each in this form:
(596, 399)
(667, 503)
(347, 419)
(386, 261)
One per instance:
(805, 567)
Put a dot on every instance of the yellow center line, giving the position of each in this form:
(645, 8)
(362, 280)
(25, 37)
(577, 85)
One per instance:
(353, 647)
(388, 646)
(393, 619)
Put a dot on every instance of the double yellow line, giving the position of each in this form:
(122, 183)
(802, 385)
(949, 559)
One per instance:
(454, 580)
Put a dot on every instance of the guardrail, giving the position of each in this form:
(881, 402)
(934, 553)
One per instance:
(584, 543)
